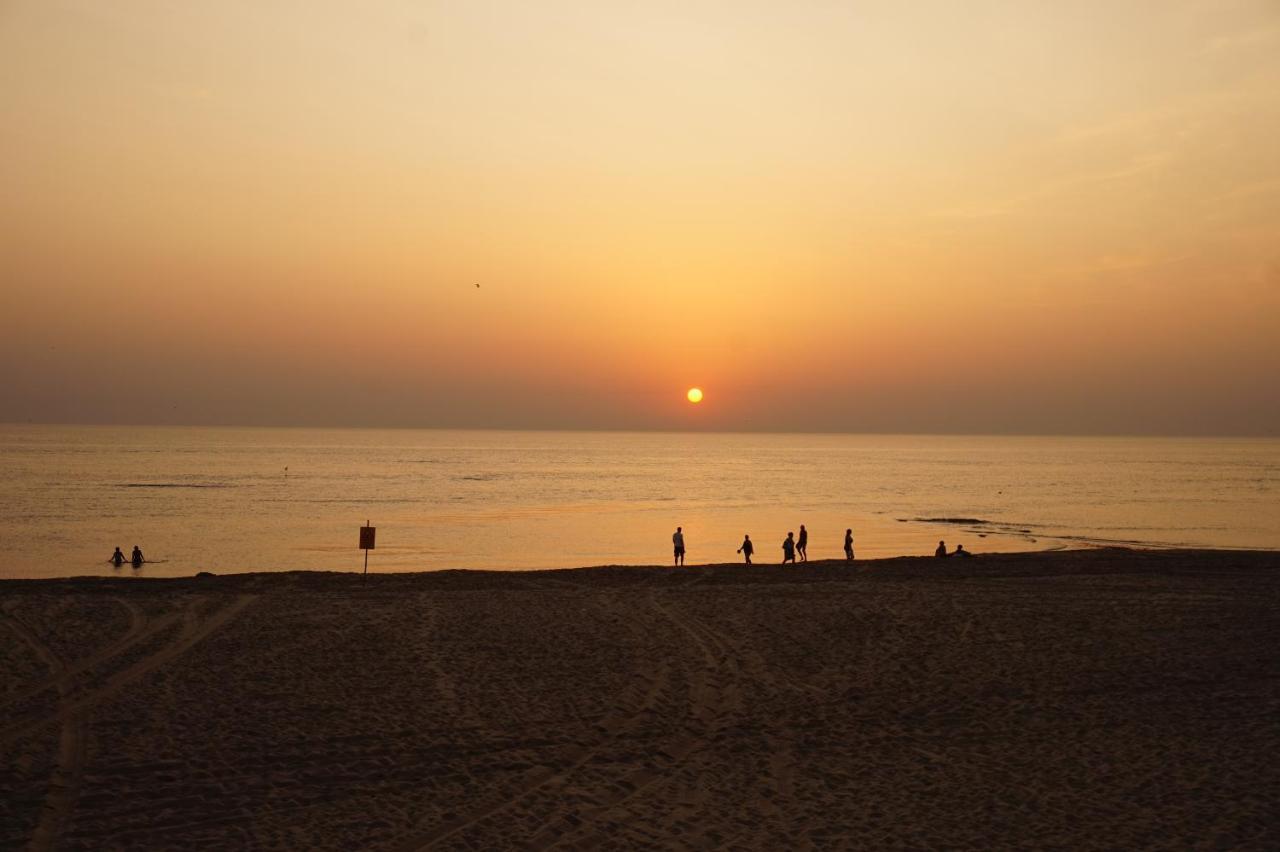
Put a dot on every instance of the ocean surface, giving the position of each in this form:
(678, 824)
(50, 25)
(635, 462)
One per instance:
(224, 499)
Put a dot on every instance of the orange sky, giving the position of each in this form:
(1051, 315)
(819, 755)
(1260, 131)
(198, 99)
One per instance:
(934, 216)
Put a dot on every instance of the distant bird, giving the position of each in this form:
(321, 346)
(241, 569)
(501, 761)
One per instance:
(477, 286)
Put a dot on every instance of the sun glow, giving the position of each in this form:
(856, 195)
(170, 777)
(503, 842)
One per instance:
(592, 240)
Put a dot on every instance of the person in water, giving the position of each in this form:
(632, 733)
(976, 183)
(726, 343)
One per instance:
(677, 541)
(960, 551)
(802, 545)
(848, 545)
(137, 558)
(747, 548)
(789, 549)
(942, 549)
(117, 558)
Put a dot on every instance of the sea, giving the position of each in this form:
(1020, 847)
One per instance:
(248, 499)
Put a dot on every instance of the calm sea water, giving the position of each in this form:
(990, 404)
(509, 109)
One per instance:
(276, 499)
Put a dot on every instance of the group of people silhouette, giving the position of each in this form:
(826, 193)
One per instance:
(117, 559)
(797, 548)
(792, 547)
(942, 550)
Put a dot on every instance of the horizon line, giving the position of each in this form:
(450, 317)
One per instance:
(641, 431)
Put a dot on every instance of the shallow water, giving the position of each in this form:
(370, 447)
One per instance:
(223, 499)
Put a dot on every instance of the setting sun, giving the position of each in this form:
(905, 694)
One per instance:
(694, 394)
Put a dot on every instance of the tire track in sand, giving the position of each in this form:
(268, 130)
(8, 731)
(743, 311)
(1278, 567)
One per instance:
(140, 629)
(194, 631)
(540, 778)
(715, 694)
(68, 768)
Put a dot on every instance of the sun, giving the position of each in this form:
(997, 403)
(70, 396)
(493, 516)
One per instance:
(694, 394)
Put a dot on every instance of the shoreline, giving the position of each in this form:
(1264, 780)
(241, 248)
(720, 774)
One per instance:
(232, 501)
(857, 566)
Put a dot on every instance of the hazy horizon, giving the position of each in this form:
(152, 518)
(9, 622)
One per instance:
(656, 430)
(875, 218)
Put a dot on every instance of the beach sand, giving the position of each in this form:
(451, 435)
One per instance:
(1099, 698)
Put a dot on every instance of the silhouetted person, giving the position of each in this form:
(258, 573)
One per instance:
(117, 558)
(848, 545)
(747, 548)
(960, 551)
(789, 549)
(942, 549)
(677, 540)
(802, 545)
(137, 559)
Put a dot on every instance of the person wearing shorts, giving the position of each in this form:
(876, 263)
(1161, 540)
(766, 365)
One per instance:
(677, 541)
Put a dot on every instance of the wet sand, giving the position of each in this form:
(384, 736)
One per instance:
(1084, 699)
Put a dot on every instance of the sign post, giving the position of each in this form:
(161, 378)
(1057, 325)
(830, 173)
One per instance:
(366, 542)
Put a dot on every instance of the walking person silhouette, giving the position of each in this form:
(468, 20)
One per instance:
(802, 545)
(747, 548)
(789, 549)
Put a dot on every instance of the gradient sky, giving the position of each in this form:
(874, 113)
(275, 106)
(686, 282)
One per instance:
(930, 216)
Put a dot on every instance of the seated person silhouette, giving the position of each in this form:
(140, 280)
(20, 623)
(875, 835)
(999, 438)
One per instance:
(960, 551)
(942, 549)
(117, 558)
(137, 559)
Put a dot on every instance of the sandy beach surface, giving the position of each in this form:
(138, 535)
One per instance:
(1102, 698)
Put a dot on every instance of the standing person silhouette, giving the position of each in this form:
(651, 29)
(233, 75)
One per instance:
(789, 549)
(747, 548)
(677, 540)
(137, 559)
(848, 545)
(802, 546)
(117, 558)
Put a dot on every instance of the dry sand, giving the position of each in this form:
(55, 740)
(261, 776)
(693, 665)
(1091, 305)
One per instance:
(1107, 699)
